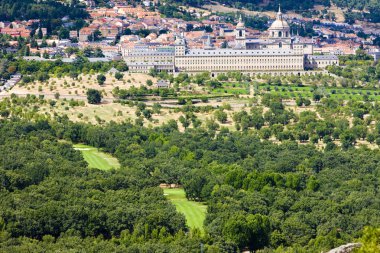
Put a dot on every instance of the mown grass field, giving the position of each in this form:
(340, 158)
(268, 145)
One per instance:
(292, 92)
(97, 159)
(194, 212)
(233, 88)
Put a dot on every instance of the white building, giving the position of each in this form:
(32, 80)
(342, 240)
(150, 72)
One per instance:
(278, 53)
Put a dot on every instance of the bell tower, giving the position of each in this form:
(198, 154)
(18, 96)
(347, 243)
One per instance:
(240, 37)
(180, 46)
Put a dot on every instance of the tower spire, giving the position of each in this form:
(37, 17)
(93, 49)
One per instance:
(279, 13)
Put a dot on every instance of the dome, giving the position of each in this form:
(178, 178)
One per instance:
(279, 24)
(280, 29)
(240, 24)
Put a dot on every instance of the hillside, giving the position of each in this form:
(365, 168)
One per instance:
(29, 9)
(357, 10)
(259, 194)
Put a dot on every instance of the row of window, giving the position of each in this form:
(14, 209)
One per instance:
(239, 61)
(242, 68)
(149, 59)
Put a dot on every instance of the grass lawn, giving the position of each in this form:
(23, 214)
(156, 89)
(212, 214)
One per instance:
(291, 92)
(194, 212)
(233, 88)
(97, 159)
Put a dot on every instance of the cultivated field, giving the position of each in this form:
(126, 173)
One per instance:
(68, 87)
(194, 212)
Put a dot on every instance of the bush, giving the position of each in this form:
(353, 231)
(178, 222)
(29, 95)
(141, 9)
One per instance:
(204, 99)
(307, 102)
(299, 101)
(181, 101)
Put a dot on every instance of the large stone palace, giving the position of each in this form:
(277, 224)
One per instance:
(280, 52)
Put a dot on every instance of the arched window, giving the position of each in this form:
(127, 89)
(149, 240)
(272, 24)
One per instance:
(240, 33)
(287, 34)
(280, 34)
(280, 45)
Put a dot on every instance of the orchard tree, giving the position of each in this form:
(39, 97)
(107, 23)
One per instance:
(121, 66)
(119, 76)
(149, 82)
(185, 121)
(101, 79)
(299, 101)
(221, 116)
(94, 96)
(306, 102)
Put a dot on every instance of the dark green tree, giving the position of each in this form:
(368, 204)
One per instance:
(94, 96)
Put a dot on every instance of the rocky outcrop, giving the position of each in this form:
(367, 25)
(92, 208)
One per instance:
(347, 248)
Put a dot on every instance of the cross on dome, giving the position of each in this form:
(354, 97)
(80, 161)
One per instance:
(279, 13)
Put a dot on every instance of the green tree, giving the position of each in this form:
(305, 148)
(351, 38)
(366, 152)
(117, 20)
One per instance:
(370, 241)
(39, 33)
(101, 79)
(46, 55)
(221, 116)
(149, 82)
(119, 75)
(94, 96)
(184, 121)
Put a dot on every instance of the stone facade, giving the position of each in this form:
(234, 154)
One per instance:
(278, 53)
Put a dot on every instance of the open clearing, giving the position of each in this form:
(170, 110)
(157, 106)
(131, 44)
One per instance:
(97, 159)
(194, 212)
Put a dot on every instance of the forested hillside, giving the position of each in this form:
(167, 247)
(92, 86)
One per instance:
(47, 192)
(372, 8)
(263, 4)
(259, 194)
(30, 9)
